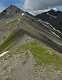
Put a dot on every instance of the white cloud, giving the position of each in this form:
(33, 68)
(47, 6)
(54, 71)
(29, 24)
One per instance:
(41, 4)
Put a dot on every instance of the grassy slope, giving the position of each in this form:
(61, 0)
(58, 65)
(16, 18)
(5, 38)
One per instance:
(42, 54)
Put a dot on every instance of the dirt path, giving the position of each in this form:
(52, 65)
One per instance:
(17, 67)
(23, 67)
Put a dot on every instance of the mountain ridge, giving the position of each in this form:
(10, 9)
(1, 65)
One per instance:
(11, 11)
(31, 26)
(53, 17)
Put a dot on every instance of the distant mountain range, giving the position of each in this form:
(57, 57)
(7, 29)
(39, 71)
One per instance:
(53, 17)
(16, 22)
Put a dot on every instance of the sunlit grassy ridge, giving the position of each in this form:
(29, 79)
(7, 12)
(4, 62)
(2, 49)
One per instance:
(43, 55)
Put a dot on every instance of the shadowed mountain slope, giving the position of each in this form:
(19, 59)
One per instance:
(30, 26)
(29, 49)
(53, 17)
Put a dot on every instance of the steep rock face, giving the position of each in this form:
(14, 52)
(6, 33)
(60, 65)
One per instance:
(53, 17)
(10, 12)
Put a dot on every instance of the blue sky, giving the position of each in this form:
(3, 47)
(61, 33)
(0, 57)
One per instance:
(6, 3)
(38, 4)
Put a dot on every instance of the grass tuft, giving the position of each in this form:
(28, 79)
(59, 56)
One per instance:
(43, 55)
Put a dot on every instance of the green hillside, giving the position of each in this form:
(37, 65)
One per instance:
(24, 54)
(12, 42)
